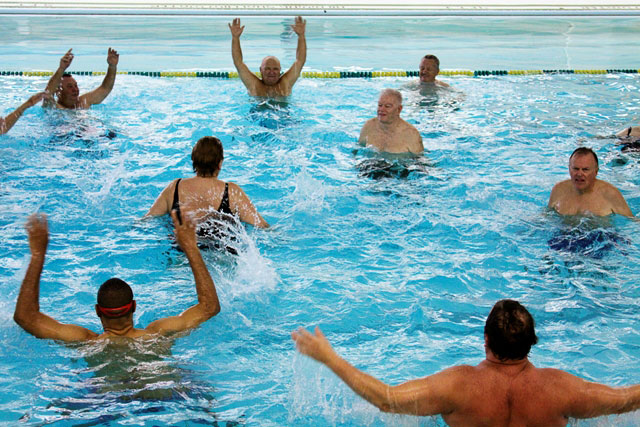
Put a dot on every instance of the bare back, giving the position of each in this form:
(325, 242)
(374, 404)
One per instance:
(496, 395)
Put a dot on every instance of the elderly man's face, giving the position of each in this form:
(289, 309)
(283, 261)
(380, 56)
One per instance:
(388, 108)
(68, 92)
(583, 170)
(428, 70)
(270, 70)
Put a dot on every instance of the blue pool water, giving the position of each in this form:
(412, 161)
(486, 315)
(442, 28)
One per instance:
(399, 267)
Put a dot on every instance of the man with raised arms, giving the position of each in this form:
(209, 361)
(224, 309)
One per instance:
(271, 84)
(115, 305)
(7, 123)
(504, 390)
(583, 193)
(388, 132)
(66, 88)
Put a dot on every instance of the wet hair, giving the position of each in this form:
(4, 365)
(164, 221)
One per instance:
(433, 58)
(114, 293)
(583, 151)
(394, 93)
(510, 330)
(206, 156)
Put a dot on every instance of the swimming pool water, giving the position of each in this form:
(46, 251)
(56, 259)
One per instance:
(398, 267)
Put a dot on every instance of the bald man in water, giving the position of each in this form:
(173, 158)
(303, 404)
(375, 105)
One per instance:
(115, 305)
(272, 83)
(584, 193)
(504, 390)
(388, 132)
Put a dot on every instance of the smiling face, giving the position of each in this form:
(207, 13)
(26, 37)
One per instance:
(389, 107)
(583, 170)
(270, 70)
(428, 70)
(68, 92)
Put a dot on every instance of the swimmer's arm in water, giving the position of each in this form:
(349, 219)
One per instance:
(208, 304)
(54, 82)
(11, 119)
(618, 203)
(240, 203)
(624, 133)
(293, 73)
(163, 203)
(364, 133)
(98, 95)
(249, 79)
(27, 313)
(415, 145)
(587, 399)
(427, 396)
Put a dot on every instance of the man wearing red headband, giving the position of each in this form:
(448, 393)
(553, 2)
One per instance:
(115, 299)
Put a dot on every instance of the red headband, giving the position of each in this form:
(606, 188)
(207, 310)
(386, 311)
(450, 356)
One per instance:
(116, 311)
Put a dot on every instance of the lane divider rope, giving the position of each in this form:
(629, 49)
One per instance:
(328, 74)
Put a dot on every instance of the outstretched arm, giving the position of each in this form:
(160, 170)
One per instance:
(588, 400)
(54, 81)
(249, 79)
(8, 122)
(208, 304)
(98, 95)
(426, 396)
(292, 74)
(27, 313)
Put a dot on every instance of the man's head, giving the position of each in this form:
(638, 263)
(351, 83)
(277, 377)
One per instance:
(510, 330)
(389, 106)
(429, 68)
(68, 91)
(270, 69)
(115, 300)
(207, 156)
(583, 168)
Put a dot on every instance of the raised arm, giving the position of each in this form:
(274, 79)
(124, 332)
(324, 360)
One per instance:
(208, 304)
(54, 81)
(8, 122)
(249, 79)
(426, 396)
(240, 203)
(27, 313)
(98, 95)
(292, 74)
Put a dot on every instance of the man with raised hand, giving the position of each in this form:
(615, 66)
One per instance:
(66, 88)
(388, 132)
(271, 83)
(115, 305)
(584, 193)
(504, 390)
(7, 122)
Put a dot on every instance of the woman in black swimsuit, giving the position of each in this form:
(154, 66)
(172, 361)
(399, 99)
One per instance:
(204, 196)
(630, 138)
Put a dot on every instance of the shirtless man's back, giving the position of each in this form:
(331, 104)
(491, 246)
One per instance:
(504, 390)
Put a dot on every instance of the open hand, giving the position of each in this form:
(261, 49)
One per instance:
(315, 346)
(236, 29)
(299, 26)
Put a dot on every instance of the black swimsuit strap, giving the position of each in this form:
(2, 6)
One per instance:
(629, 131)
(224, 203)
(176, 201)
